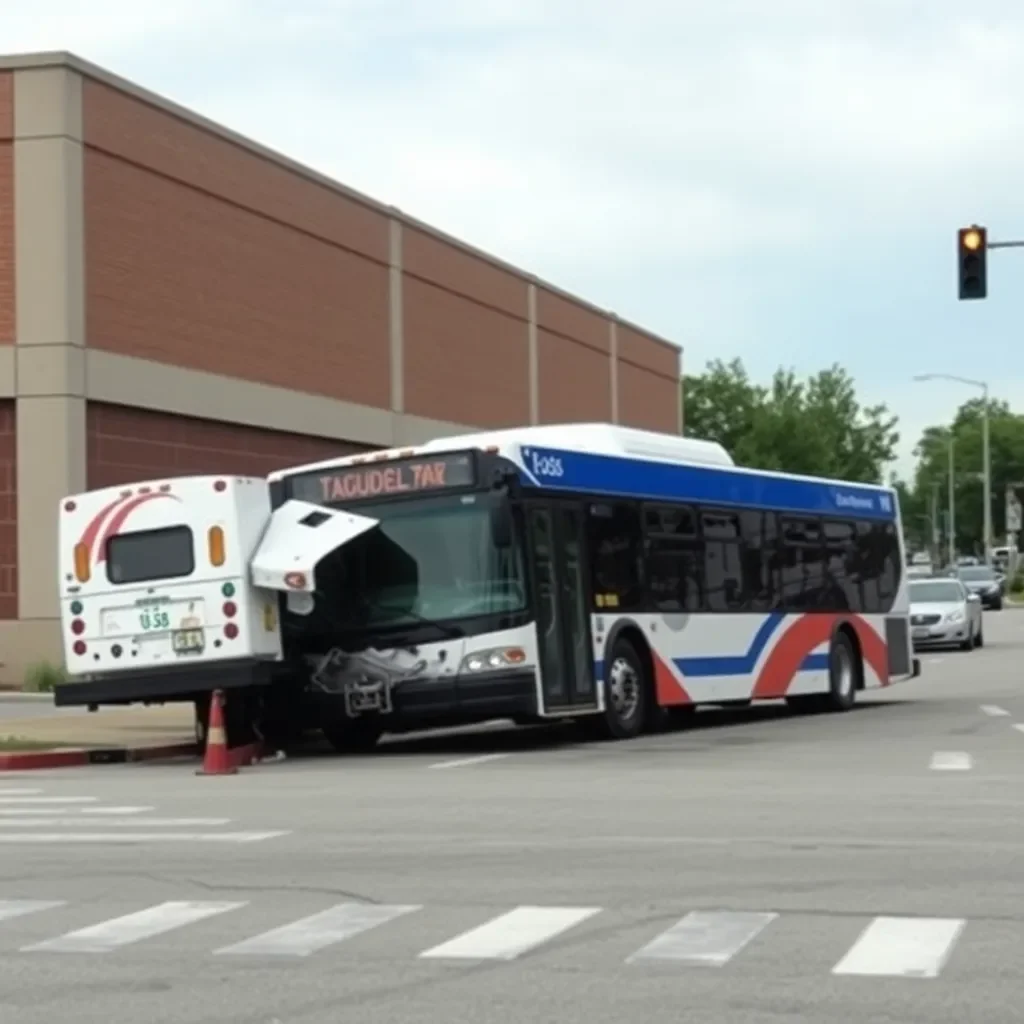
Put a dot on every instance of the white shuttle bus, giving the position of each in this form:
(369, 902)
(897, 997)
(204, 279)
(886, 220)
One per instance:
(586, 571)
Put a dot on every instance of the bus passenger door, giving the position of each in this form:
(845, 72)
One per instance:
(563, 618)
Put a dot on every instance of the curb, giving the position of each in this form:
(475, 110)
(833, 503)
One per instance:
(79, 757)
(20, 696)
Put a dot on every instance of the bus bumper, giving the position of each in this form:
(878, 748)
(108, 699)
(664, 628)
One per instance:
(164, 686)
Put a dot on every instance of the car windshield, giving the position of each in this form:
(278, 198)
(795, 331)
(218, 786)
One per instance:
(432, 559)
(976, 573)
(934, 591)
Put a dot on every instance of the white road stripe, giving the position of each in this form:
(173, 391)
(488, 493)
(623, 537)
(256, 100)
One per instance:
(993, 710)
(511, 934)
(706, 937)
(47, 799)
(19, 908)
(465, 761)
(122, 931)
(137, 837)
(20, 792)
(113, 823)
(1019, 727)
(951, 761)
(22, 810)
(114, 810)
(313, 933)
(904, 947)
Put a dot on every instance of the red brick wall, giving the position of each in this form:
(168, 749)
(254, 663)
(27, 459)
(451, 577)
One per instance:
(6, 207)
(649, 392)
(8, 513)
(125, 445)
(573, 356)
(206, 256)
(466, 336)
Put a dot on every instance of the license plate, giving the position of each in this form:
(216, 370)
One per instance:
(187, 641)
(920, 633)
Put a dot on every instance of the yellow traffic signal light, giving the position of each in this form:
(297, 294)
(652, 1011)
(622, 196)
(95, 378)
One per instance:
(972, 262)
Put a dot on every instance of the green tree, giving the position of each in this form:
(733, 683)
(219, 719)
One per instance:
(815, 426)
(1006, 430)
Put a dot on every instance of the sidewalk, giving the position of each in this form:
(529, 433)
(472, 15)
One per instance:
(168, 725)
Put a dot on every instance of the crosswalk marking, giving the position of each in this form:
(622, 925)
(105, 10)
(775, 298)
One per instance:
(905, 947)
(48, 800)
(120, 931)
(114, 822)
(511, 934)
(993, 710)
(10, 909)
(951, 761)
(706, 937)
(116, 810)
(316, 932)
(69, 838)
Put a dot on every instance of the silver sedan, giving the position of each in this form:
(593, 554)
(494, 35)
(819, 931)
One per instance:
(944, 613)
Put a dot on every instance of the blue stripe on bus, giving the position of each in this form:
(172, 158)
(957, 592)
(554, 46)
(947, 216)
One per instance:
(716, 666)
(611, 475)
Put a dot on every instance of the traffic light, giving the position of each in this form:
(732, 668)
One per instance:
(972, 262)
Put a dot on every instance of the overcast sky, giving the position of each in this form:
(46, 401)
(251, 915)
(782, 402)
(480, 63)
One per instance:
(779, 180)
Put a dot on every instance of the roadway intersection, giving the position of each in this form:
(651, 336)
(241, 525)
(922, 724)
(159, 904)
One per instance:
(756, 867)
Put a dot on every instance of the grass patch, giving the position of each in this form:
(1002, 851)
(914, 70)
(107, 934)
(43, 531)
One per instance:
(18, 744)
(43, 677)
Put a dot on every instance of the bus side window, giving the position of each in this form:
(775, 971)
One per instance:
(614, 543)
(760, 566)
(803, 563)
(725, 589)
(840, 566)
(675, 568)
(879, 560)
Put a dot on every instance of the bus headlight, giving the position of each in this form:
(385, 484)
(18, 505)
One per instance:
(492, 659)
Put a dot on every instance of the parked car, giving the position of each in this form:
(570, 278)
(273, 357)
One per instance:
(944, 613)
(984, 581)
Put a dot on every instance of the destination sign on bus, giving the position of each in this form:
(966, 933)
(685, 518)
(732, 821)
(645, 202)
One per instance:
(428, 473)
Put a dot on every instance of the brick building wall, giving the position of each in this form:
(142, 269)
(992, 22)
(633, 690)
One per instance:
(185, 301)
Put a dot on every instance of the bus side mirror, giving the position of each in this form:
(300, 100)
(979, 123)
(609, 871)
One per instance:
(501, 526)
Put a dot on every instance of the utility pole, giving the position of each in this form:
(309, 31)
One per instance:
(936, 547)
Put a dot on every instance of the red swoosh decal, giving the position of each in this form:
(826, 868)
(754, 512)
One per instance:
(874, 649)
(88, 537)
(118, 520)
(668, 690)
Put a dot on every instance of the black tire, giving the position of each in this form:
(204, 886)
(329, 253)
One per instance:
(980, 639)
(998, 605)
(968, 644)
(351, 737)
(844, 674)
(202, 721)
(627, 694)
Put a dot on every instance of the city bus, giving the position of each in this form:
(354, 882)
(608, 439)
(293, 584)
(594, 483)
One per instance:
(613, 576)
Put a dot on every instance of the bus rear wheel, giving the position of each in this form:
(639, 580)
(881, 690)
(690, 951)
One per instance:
(627, 691)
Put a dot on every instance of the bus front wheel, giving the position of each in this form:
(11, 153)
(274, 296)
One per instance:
(626, 693)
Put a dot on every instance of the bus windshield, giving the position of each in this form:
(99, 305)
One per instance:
(431, 559)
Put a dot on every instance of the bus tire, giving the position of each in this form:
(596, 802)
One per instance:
(627, 693)
(351, 736)
(844, 673)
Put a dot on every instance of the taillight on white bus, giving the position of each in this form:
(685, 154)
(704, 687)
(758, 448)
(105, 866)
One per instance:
(215, 545)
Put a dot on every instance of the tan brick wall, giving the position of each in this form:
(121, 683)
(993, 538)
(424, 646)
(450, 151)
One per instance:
(206, 256)
(8, 514)
(6, 208)
(126, 444)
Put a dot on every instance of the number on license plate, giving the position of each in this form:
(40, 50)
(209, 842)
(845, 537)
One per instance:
(152, 620)
(920, 632)
(185, 640)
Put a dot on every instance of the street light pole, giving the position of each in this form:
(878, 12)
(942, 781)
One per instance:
(952, 506)
(986, 454)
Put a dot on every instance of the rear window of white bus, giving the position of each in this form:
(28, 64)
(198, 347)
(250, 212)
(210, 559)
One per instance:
(149, 555)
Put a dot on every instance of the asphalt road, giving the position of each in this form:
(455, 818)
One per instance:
(859, 867)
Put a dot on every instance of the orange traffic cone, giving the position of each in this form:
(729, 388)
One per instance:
(217, 759)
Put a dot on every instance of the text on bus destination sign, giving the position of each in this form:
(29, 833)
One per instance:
(381, 479)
